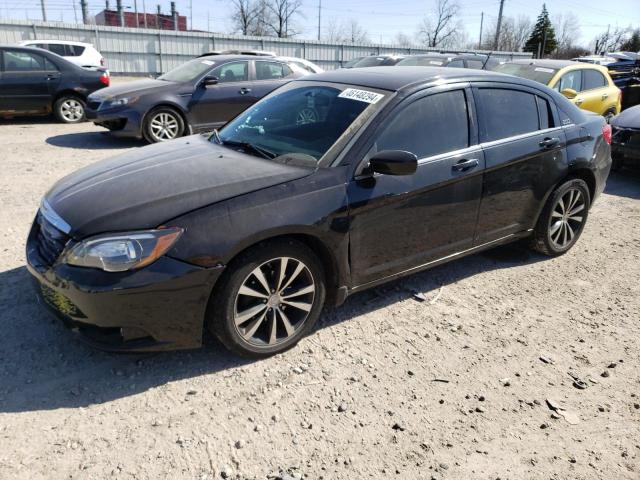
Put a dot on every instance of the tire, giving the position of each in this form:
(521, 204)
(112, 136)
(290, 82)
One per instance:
(69, 109)
(563, 218)
(243, 322)
(609, 115)
(163, 124)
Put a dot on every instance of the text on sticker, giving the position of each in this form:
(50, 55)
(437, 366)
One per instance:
(361, 95)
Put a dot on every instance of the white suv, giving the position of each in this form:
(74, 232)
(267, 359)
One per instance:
(82, 54)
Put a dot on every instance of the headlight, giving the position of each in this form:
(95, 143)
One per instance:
(119, 102)
(124, 251)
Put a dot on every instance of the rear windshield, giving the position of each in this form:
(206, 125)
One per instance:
(532, 72)
(370, 62)
(189, 71)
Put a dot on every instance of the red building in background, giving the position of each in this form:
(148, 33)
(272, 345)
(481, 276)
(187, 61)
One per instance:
(161, 21)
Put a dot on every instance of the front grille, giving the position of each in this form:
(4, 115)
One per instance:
(51, 241)
(94, 105)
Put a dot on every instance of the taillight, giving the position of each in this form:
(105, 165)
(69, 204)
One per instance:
(606, 133)
(104, 79)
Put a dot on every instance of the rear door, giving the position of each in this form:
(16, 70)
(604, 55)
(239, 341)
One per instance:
(524, 152)
(215, 105)
(401, 222)
(28, 81)
(596, 94)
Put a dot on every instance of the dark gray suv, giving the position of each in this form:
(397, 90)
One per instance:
(202, 94)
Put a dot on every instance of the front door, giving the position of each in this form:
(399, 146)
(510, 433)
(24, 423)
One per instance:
(214, 105)
(28, 81)
(402, 222)
(523, 148)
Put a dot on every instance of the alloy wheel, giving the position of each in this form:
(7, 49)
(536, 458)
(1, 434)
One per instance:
(164, 126)
(72, 110)
(274, 301)
(567, 218)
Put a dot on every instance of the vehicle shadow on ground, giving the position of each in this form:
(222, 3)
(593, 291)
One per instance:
(93, 141)
(625, 183)
(43, 366)
(29, 121)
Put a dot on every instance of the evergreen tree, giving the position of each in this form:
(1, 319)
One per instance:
(633, 44)
(542, 34)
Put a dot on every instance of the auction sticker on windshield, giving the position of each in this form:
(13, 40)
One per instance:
(361, 95)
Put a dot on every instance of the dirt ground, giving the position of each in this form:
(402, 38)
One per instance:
(453, 387)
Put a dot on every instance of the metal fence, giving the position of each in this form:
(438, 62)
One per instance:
(136, 51)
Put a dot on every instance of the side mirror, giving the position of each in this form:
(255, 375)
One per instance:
(569, 93)
(209, 80)
(394, 162)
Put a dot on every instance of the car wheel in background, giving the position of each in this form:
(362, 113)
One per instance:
(609, 115)
(563, 218)
(162, 124)
(271, 297)
(69, 109)
(306, 115)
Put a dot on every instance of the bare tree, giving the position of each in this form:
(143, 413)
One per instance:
(244, 16)
(333, 31)
(513, 33)
(280, 16)
(440, 27)
(610, 41)
(354, 33)
(403, 40)
(567, 27)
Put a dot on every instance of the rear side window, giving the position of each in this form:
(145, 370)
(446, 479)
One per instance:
(456, 64)
(271, 70)
(73, 50)
(429, 126)
(506, 113)
(593, 79)
(475, 64)
(58, 49)
(22, 61)
(544, 111)
(572, 80)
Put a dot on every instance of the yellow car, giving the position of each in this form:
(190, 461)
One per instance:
(587, 85)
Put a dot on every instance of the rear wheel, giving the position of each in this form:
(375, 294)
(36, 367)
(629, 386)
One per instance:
(563, 218)
(163, 124)
(69, 109)
(269, 299)
(610, 114)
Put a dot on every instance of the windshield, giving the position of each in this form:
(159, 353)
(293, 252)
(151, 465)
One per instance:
(423, 62)
(532, 72)
(370, 62)
(300, 121)
(188, 72)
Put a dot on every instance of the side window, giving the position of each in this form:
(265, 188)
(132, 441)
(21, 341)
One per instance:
(431, 125)
(544, 111)
(22, 61)
(232, 72)
(271, 70)
(475, 64)
(456, 64)
(506, 113)
(593, 79)
(73, 50)
(50, 67)
(572, 80)
(58, 49)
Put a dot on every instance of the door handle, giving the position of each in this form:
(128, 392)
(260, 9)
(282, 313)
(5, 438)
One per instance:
(464, 165)
(244, 91)
(51, 76)
(579, 101)
(605, 96)
(549, 142)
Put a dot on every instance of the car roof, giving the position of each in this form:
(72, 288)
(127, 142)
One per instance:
(62, 42)
(400, 77)
(543, 62)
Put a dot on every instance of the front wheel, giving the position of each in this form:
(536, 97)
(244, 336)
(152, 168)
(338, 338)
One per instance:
(69, 109)
(563, 218)
(269, 298)
(163, 124)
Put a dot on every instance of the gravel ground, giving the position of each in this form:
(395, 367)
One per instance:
(453, 387)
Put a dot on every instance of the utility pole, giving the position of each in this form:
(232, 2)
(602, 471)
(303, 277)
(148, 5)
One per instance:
(208, 24)
(497, 40)
(191, 14)
(158, 17)
(135, 9)
(85, 11)
(120, 12)
(144, 13)
(75, 12)
(481, 23)
(44, 11)
(319, 17)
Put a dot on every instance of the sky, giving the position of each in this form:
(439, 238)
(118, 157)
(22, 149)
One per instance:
(382, 19)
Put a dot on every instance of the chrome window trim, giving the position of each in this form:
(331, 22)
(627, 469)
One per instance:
(53, 218)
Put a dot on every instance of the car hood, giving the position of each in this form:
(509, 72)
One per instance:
(148, 186)
(138, 87)
(629, 118)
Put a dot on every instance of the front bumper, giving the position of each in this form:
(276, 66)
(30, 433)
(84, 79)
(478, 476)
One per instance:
(621, 151)
(159, 307)
(121, 121)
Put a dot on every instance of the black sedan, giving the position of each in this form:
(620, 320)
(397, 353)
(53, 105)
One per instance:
(34, 81)
(250, 232)
(199, 95)
(467, 60)
(625, 147)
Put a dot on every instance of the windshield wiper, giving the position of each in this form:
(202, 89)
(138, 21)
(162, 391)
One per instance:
(263, 152)
(216, 136)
